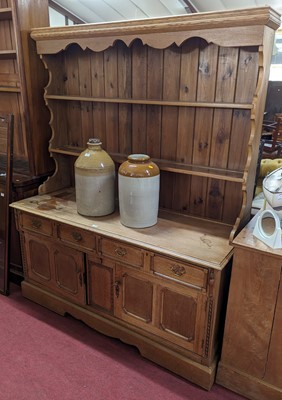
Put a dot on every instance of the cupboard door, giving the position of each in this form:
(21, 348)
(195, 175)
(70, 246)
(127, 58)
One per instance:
(178, 314)
(58, 268)
(100, 284)
(181, 315)
(38, 260)
(169, 310)
(68, 267)
(133, 293)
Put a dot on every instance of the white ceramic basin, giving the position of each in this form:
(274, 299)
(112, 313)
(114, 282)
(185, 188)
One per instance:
(272, 188)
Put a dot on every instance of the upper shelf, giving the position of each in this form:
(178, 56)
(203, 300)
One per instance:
(8, 54)
(244, 106)
(166, 165)
(5, 13)
(10, 89)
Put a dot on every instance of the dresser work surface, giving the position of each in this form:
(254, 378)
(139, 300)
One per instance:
(191, 239)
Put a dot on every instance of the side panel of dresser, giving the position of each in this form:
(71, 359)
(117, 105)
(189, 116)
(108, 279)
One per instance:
(157, 303)
(252, 346)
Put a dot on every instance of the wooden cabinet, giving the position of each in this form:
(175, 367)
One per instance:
(190, 92)
(22, 78)
(147, 291)
(6, 144)
(252, 345)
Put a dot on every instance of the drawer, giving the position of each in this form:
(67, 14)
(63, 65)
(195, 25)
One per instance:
(183, 272)
(73, 235)
(122, 252)
(37, 224)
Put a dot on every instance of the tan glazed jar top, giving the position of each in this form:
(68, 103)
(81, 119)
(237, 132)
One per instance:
(139, 166)
(94, 157)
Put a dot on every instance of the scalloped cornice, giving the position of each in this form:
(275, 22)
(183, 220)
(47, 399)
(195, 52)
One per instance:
(161, 32)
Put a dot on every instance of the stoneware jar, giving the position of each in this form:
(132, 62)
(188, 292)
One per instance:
(138, 187)
(94, 181)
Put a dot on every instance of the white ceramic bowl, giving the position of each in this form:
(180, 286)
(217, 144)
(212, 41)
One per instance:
(272, 188)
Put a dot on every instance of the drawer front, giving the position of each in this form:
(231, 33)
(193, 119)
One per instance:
(37, 224)
(122, 252)
(77, 236)
(183, 272)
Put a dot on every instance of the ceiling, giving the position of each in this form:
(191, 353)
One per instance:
(117, 10)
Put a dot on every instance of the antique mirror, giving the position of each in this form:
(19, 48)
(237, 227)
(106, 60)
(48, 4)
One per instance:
(6, 156)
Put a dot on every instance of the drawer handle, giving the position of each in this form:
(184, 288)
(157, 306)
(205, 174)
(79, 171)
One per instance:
(120, 251)
(77, 236)
(177, 270)
(36, 223)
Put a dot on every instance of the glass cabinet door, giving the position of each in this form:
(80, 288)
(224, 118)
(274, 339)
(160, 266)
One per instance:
(6, 141)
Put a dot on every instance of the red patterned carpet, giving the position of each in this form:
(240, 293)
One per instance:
(46, 356)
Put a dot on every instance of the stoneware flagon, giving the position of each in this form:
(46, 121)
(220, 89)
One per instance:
(95, 181)
(139, 186)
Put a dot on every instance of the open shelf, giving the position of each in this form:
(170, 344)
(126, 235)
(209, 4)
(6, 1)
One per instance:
(184, 91)
(166, 165)
(5, 13)
(10, 89)
(8, 54)
(177, 103)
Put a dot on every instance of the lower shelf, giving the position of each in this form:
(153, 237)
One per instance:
(149, 348)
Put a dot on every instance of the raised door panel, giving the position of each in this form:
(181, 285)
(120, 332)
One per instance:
(68, 267)
(178, 314)
(134, 295)
(100, 284)
(181, 315)
(137, 297)
(38, 260)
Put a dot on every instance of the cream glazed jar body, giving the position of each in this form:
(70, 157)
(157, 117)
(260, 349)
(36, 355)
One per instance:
(95, 181)
(138, 186)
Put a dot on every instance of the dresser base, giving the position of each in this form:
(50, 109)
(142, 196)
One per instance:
(157, 352)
